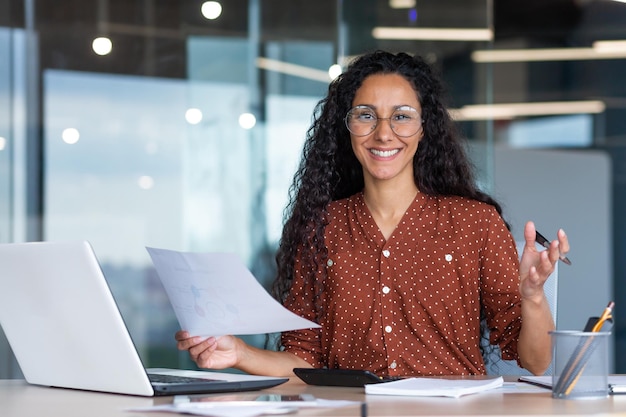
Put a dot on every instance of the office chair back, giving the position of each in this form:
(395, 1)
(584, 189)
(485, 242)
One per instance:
(493, 361)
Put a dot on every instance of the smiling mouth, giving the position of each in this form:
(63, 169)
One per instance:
(384, 154)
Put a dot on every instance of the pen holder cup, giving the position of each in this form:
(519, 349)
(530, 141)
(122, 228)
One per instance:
(580, 363)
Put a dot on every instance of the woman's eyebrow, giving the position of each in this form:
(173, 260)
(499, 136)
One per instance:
(395, 107)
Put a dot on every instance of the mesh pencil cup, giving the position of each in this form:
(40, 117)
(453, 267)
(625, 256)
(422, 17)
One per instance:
(580, 363)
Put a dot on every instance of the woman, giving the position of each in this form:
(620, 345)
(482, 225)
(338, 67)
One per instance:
(391, 247)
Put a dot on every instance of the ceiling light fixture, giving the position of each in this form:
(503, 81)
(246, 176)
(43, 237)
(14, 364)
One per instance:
(402, 4)
(211, 9)
(433, 34)
(600, 50)
(102, 46)
(508, 111)
(604, 47)
(293, 69)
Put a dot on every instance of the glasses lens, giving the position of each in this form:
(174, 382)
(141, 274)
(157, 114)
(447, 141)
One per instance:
(405, 121)
(362, 120)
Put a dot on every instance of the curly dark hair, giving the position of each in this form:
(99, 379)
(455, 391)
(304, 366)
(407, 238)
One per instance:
(330, 171)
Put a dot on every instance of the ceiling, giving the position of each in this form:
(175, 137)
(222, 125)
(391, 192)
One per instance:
(155, 31)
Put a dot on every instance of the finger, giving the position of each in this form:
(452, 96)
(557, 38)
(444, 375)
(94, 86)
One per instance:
(204, 356)
(529, 235)
(530, 284)
(538, 275)
(181, 335)
(201, 353)
(533, 275)
(554, 252)
(547, 260)
(563, 241)
(191, 342)
(185, 344)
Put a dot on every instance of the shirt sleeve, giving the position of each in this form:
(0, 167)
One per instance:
(304, 343)
(500, 287)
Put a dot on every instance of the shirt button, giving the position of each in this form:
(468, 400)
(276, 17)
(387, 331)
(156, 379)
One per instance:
(393, 365)
(388, 329)
(386, 289)
(386, 253)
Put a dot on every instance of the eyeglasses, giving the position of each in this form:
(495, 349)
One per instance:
(404, 121)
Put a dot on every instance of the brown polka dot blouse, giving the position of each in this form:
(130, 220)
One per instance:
(410, 305)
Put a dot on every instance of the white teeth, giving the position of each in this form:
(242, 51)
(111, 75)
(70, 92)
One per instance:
(384, 154)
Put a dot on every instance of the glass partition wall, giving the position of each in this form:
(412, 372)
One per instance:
(6, 162)
(179, 124)
(8, 367)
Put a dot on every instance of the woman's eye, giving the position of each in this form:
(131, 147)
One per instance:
(402, 117)
(366, 116)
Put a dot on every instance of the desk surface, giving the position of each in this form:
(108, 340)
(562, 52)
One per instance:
(18, 399)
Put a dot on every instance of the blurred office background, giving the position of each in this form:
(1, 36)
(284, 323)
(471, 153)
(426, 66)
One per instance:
(178, 124)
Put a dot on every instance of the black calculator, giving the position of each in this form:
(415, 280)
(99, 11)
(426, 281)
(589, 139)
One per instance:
(340, 377)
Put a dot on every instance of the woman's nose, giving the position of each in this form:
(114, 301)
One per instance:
(383, 129)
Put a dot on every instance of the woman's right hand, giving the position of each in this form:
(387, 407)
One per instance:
(213, 352)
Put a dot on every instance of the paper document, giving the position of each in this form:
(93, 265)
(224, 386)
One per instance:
(214, 294)
(434, 387)
(520, 388)
(245, 408)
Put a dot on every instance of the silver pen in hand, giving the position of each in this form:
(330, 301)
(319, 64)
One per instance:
(539, 238)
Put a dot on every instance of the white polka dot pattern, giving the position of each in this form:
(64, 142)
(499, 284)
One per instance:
(410, 305)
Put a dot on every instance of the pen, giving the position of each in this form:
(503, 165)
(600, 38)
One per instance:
(539, 238)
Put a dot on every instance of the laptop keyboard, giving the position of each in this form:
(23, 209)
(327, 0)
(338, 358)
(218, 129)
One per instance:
(176, 379)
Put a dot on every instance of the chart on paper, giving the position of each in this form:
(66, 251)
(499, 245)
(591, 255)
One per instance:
(213, 294)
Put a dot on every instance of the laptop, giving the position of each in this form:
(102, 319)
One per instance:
(65, 329)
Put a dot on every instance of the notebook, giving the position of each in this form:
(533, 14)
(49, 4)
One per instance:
(65, 329)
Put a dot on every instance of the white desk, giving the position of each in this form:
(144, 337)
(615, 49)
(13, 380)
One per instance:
(17, 399)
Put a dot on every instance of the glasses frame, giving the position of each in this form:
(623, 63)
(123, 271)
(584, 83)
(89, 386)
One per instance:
(375, 125)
